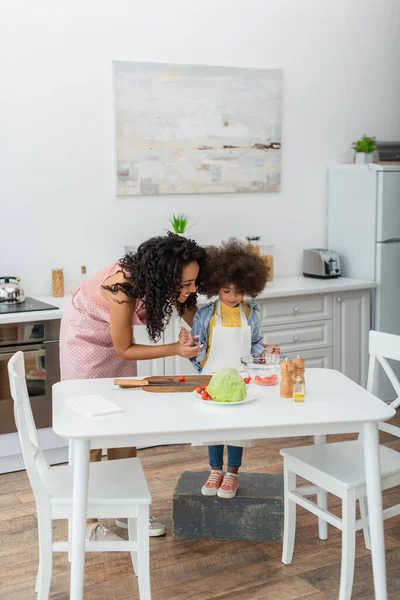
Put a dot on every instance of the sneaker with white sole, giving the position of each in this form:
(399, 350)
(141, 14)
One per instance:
(156, 528)
(97, 532)
(229, 486)
(210, 488)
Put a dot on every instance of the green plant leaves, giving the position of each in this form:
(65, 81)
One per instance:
(179, 222)
(365, 144)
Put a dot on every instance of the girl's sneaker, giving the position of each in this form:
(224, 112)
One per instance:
(210, 488)
(229, 486)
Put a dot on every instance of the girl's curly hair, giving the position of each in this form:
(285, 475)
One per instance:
(234, 264)
(153, 273)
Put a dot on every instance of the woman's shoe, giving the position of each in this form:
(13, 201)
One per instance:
(156, 528)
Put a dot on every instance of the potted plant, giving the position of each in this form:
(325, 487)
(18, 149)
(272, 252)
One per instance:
(179, 222)
(364, 148)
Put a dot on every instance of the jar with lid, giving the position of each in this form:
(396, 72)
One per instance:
(254, 243)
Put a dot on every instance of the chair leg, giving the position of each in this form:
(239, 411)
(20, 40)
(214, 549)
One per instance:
(43, 580)
(132, 534)
(364, 515)
(143, 555)
(322, 497)
(322, 501)
(348, 545)
(289, 530)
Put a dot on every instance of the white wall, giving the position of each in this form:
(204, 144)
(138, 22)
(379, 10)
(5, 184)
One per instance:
(341, 64)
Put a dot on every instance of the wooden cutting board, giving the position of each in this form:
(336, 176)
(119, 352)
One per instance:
(165, 383)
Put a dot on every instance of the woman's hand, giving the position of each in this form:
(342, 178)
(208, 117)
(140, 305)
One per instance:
(186, 346)
(186, 351)
(185, 337)
(272, 349)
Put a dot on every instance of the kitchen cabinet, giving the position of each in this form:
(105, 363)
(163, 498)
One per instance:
(351, 318)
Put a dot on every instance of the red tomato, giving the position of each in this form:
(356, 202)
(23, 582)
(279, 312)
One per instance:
(181, 378)
(262, 380)
(199, 389)
(247, 380)
(205, 396)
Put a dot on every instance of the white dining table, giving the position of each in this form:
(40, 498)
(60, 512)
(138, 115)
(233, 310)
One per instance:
(334, 404)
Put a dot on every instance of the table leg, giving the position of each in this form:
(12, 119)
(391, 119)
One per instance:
(322, 498)
(374, 496)
(70, 462)
(79, 514)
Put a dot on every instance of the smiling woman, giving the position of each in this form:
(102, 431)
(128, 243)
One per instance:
(142, 289)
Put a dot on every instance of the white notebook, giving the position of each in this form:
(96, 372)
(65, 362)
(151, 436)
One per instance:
(93, 405)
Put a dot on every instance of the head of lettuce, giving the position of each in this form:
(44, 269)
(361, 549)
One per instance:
(227, 385)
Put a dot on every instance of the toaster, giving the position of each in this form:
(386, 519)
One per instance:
(321, 263)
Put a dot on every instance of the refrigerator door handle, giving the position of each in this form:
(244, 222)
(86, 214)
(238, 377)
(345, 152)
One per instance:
(395, 240)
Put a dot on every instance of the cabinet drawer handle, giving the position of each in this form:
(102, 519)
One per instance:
(295, 309)
(338, 299)
(296, 338)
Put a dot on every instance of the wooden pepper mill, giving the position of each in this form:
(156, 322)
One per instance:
(286, 388)
(298, 365)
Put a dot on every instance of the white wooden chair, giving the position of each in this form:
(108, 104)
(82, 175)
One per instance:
(339, 469)
(116, 488)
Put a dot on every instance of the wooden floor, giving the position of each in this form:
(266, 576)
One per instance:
(193, 569)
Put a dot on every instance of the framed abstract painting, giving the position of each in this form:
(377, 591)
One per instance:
(193, 129)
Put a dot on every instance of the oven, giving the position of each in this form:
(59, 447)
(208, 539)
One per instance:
(38, 340)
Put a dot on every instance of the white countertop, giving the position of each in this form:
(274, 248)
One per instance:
(279, 288)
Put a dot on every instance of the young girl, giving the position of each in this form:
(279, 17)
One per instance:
(228, 329)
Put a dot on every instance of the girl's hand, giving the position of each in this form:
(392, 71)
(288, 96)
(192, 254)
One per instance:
(272, 349)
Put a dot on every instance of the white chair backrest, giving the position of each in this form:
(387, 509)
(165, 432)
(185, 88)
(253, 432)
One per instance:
(381, 347)
(34, 459)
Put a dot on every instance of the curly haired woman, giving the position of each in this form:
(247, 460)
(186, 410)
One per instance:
(228, 329)
(142, 289)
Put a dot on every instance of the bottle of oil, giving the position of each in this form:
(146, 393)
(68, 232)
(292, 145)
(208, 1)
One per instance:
(298, 389)
(299, 369)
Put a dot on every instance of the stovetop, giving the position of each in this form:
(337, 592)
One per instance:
(29, 305)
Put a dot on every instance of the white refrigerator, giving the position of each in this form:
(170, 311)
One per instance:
(364, 228)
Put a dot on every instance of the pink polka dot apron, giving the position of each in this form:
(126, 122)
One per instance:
(86, 347)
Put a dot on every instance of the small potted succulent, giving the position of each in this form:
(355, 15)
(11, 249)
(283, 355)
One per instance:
(179, 222)
(364, 149)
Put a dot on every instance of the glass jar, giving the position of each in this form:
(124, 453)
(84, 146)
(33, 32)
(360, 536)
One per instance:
(267, 254)
(58, 283)
(253, 243)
